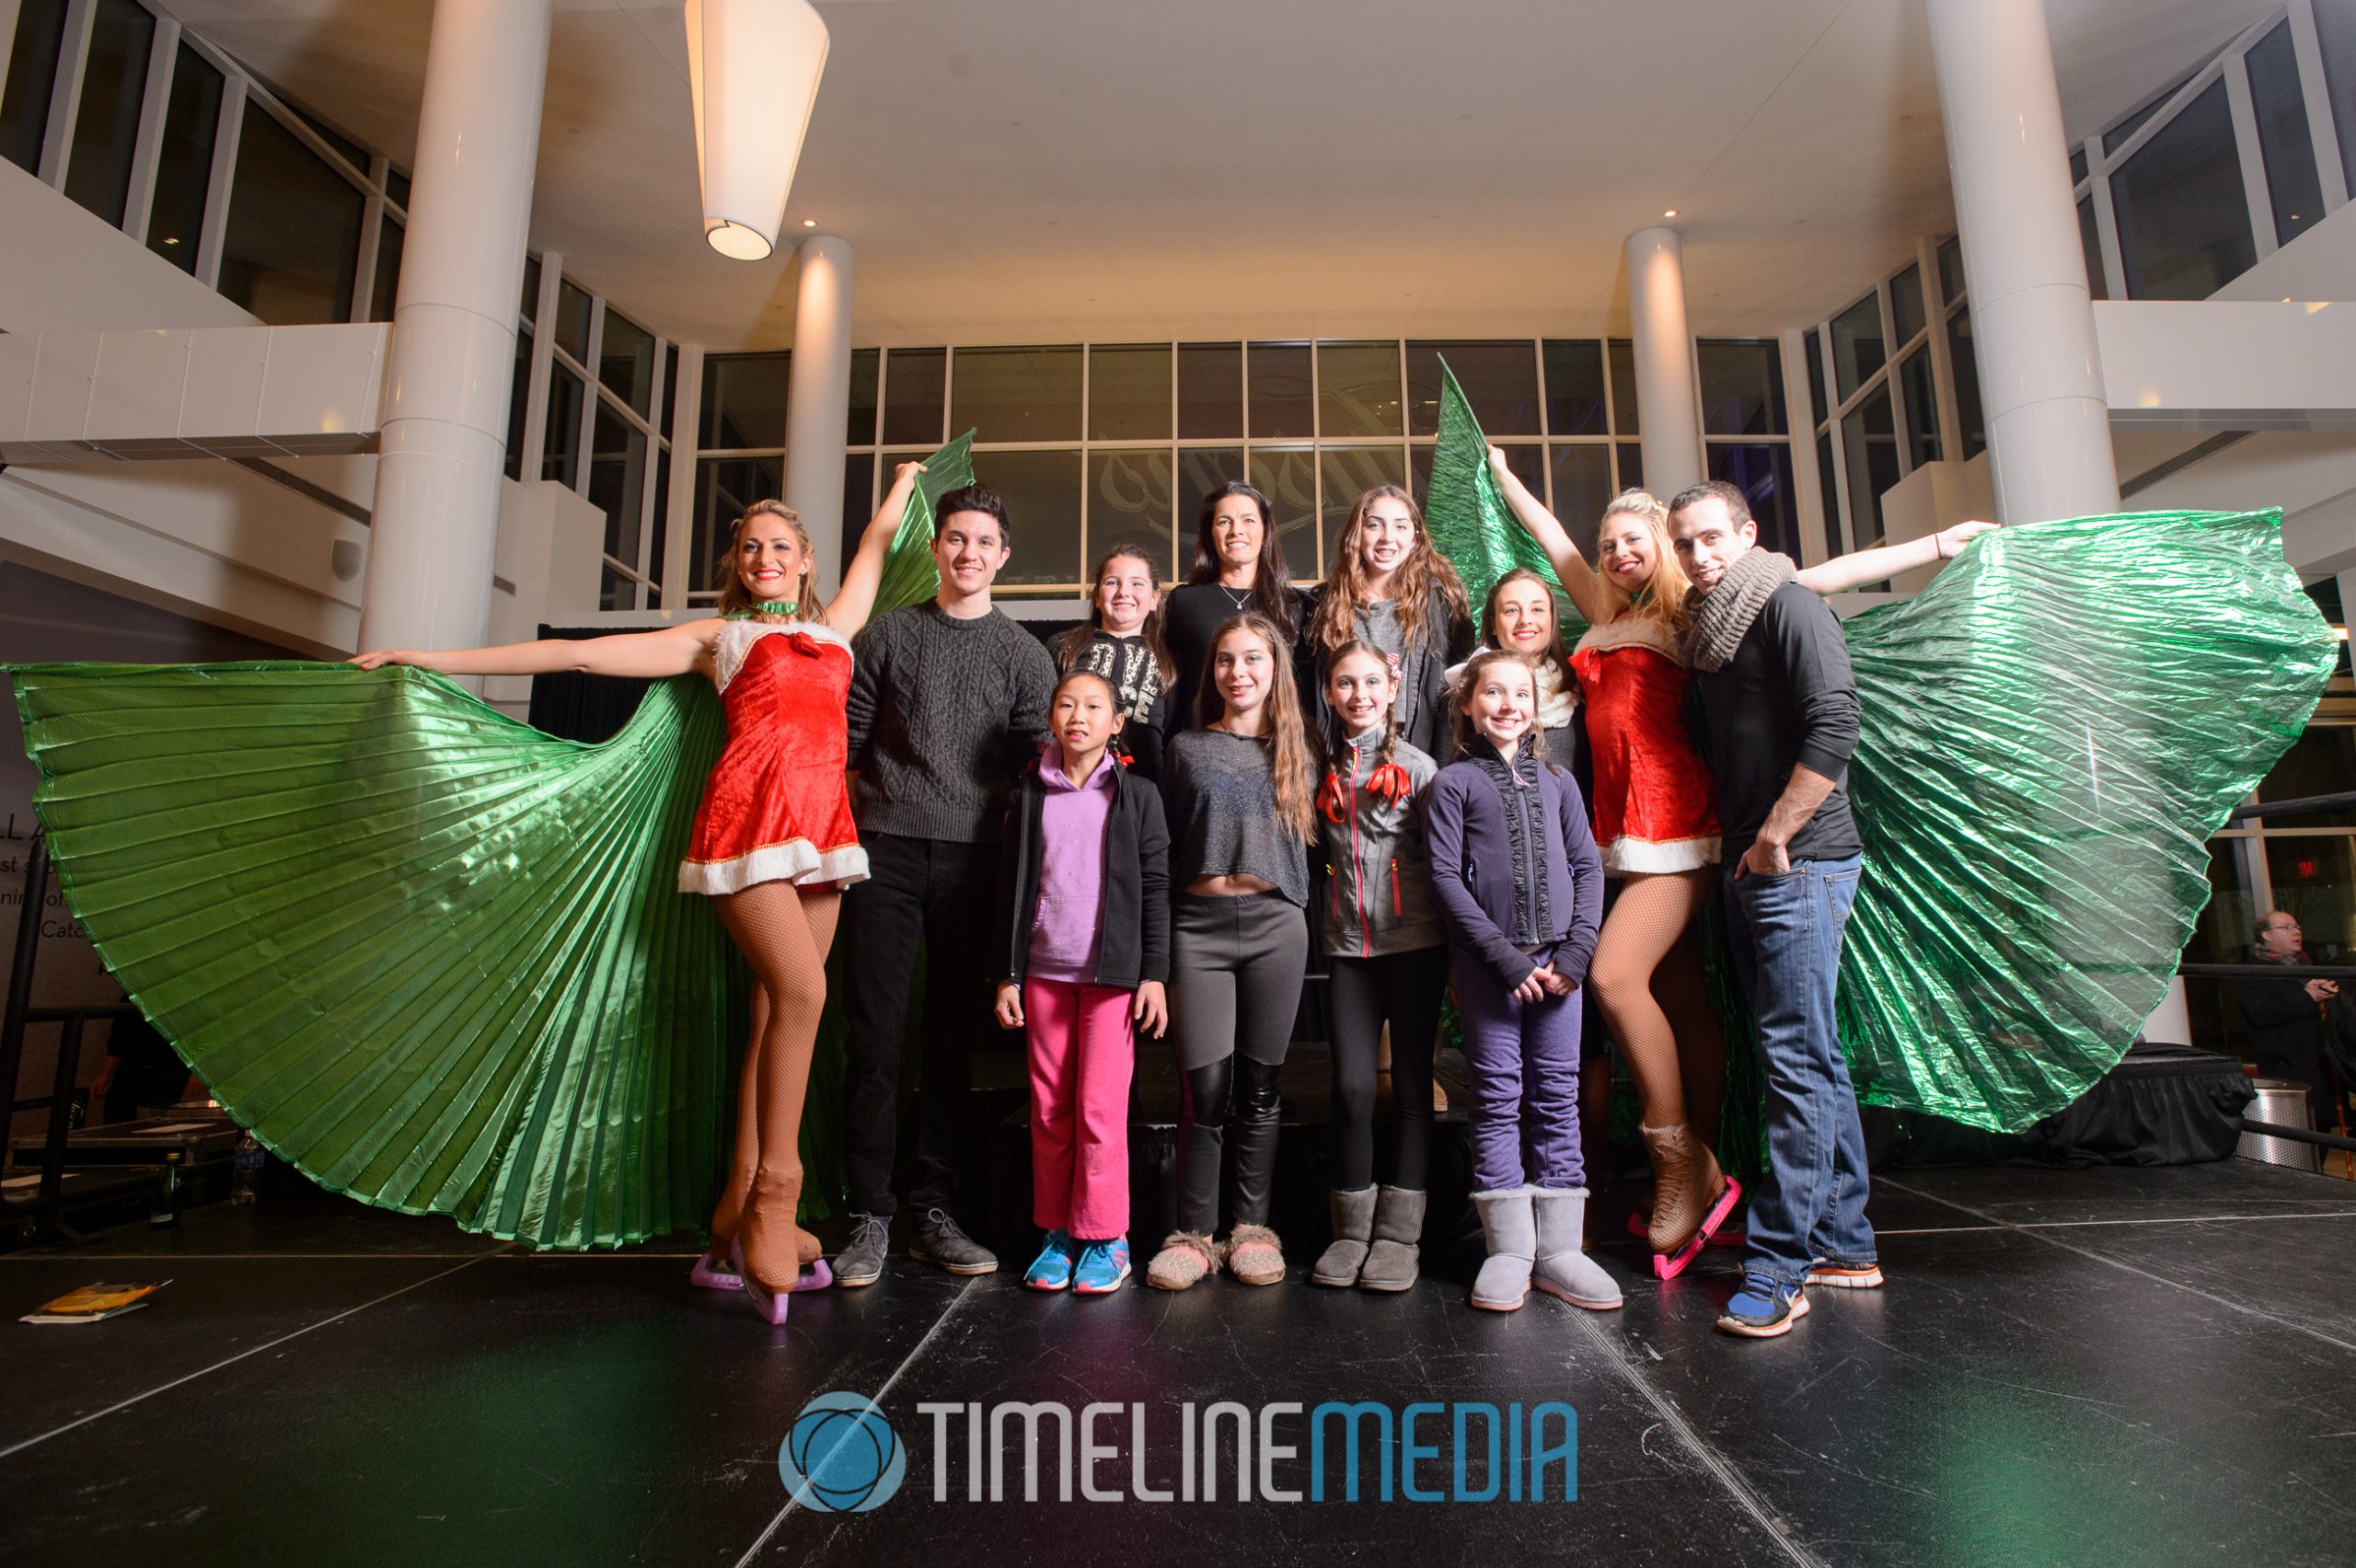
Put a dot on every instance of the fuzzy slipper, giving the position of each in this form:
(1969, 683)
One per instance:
(1185, 1259)
(1255, 1255)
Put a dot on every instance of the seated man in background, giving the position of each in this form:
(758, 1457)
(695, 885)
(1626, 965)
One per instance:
(2286, 1017)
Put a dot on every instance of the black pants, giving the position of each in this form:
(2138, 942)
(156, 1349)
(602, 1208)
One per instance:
(1405, 990)
(938, 892)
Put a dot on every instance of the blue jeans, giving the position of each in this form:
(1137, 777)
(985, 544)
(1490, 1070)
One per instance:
(1786, 936)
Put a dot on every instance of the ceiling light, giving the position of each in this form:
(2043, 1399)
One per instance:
(809, 223)
(1670, 213)
(753, 69)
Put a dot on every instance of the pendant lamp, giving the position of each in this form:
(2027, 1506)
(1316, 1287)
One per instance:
(753, 69)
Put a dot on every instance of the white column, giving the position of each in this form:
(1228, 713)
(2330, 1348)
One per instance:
(1667, 397)
(817, 416)
(2040, 376)
(453, 355)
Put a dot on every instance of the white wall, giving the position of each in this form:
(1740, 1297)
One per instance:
(65, 270)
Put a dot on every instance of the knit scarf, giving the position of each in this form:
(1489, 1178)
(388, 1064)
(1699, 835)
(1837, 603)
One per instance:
(1719, 620)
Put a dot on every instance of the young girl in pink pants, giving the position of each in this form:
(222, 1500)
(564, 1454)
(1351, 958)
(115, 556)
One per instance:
(1084, 935)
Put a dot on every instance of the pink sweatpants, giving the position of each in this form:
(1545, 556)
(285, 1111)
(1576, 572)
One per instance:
(1081, 1056)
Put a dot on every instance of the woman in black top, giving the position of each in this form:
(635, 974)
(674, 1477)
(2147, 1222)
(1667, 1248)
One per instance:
(1239, 568)
(1120, 640)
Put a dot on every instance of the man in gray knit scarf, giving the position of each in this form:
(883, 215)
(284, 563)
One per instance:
(1780, 702)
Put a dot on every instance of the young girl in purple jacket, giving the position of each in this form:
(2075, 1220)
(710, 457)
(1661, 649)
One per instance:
(1520, 888)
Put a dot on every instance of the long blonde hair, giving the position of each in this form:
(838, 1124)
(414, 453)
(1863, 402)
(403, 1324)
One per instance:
(1664, 597)
(737, 599)
(1289, 763)
(1424, 571)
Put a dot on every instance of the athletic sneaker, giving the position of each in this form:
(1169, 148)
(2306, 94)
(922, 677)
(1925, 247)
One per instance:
(1764, 1309)
(942, 1244)
(861, 1262)
(1845, 1274)
(1051, 1270)
(1102, 1266)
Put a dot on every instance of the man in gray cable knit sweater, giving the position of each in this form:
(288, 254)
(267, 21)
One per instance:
(948, 700)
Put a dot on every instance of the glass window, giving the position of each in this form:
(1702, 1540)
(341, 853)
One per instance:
(1358, 390)
(1528, 461)
(1869, 441)
(1129, 497)
(1027, 394)
(862, 431)
(1951, 269)
(1922, 408)
(744, 401)
(725, 489)
(1815, 373)
(1575, 403)
(1762, 471)
(625, 362)
(2077, 162)
(671, 386)
(519, 396)
(2282, 134)
(2183, 220)
(184, 162)
(1288, 477)
(1499, 379)
(1200, 471)
(1282, 392)
(106, 123)
(2090, 240)
(1857, 347)
(1623, 387)
(915, 383)
(1906, 304)
(385, 293)
(1042, 494)
(1128, 393)
(617, 591)
(1349, 472)
(397, 187)
(32, 69)
(1834, 541)
(531, 288)
(1210, 392)
(2117, 136)
(1742, 386)
(342, 146)
(2336, 33)
(1973, 437)
(572, 309)
(2315, 878)
(2320, 762)
(560, 445)
(1629, 457)
(859, 498)
(290, 253)
(1583, 488)
(617, 481)
(659, 523)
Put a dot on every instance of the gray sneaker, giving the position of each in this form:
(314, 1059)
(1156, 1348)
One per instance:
(861, 1262)
(941, 1244)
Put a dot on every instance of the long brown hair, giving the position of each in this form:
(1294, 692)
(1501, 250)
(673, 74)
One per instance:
(1664, 598)
(1067, 645)
(1424, 571)
(1271, 583)
(1553, 654)
(1337, 732)
(1466, 730)
(737, 599)
(1288, 764)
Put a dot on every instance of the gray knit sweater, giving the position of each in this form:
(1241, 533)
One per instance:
(943, 713)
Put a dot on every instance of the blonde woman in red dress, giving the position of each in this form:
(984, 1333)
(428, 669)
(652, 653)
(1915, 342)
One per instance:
(773, 845)
(1658, 832)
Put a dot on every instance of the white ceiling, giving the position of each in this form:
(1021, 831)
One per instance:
(1057, 171)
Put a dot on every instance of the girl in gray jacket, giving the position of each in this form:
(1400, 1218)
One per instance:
(1387, 957)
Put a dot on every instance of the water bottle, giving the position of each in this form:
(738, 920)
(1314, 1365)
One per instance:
(245, 1168)
(166, 1209)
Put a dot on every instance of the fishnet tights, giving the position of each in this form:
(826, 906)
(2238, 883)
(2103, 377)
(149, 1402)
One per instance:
(1647, 975)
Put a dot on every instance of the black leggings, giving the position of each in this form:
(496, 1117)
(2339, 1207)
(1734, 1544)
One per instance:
(1403, 989)
(1212, 1093)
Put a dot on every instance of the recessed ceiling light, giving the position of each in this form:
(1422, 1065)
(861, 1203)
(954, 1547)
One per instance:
(1670, 213)
(809, 223)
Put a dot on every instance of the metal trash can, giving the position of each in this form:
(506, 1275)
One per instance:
(2285, 1104)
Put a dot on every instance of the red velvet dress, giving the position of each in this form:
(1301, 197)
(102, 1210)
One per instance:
(1652, 799)
(776, 807)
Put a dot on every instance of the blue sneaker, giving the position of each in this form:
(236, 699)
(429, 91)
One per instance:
(1102, 1266)
(1051, 1270)
(1764, 1309)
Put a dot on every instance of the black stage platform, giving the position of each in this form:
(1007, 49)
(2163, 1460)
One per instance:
(2112, 1365)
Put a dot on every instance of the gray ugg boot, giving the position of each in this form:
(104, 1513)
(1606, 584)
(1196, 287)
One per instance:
(1391, 1263)
(1504, 1281)
(1562, 1269)
(1352, 1221)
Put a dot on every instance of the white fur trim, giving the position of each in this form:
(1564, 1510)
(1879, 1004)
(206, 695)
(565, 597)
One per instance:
(1630, 631)
(1626, 855)
(736, 637)
(797, 861)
